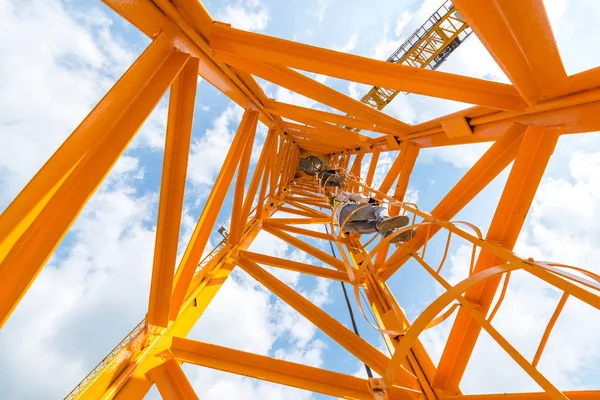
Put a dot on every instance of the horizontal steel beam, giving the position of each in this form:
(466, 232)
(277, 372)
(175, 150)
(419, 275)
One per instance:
(258, 47)
(278, 371)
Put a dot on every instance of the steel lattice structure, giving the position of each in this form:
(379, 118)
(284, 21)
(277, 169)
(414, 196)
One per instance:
(523, 120)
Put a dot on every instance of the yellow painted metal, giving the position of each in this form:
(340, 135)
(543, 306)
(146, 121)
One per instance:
(523, 120)
(171, 381)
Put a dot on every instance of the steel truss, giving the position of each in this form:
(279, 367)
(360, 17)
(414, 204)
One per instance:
(523, 120)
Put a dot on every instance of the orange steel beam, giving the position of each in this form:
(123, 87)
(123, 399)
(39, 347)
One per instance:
(309, 201)
(125, 376)
(519, 37)
(571, 395)
(389, 315)
(332, 131)
(307, 248)
(197, 243)
(263, 48)
(294, 112)
(25, 208)
(372, 167)
(394, 171)
(265, 181)
(492, 163)
(410, 158)
(275, 168)
(311, 142)
(355, 170)
(312, 145)
(315, 213)
(534, 153)
(279, 371)
(338, 332)
(322, 134)
(284, 163)
(191, 37)
(177, 148)
(301, 213)
(237, 212)
(296, 82)
(300, 231)
(305, 192)
(296, 266)
(157, 68)
(300, 221)
(172, 382)
(260, 172)
(573, 113)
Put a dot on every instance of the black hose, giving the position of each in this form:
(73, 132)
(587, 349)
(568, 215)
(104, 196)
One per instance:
(367, 368)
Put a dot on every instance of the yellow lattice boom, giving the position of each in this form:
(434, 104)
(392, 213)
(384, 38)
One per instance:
(427, 47)
(522, 121)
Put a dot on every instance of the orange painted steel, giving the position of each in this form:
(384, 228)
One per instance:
(171, 381)
(523, 121)
(177, 147)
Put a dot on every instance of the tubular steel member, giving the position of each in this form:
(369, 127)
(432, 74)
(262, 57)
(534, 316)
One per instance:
(523, 119)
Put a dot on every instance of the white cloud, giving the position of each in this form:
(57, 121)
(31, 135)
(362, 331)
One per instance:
(349, 45)
(100, 280)
(472, 59)
(384, 162)
(412, 195)
(320, 7)
(386, 46)
(357, 90)
(320, 78)
(249, 15)
(208, 152)
(54, 69)
(563, 218)
(152, 134)
(461, 156)
(286, 96)
(402, 21)
(557, 10)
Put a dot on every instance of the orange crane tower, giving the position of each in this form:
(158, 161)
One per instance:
(521, 120)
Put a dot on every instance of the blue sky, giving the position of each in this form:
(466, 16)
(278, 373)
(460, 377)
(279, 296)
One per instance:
(60, 57)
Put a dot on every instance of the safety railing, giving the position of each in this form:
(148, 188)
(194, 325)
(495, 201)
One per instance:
(111, 356)
(571, 281)
(139, 328)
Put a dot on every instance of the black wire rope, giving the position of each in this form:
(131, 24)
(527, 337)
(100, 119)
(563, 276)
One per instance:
(367, 368)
